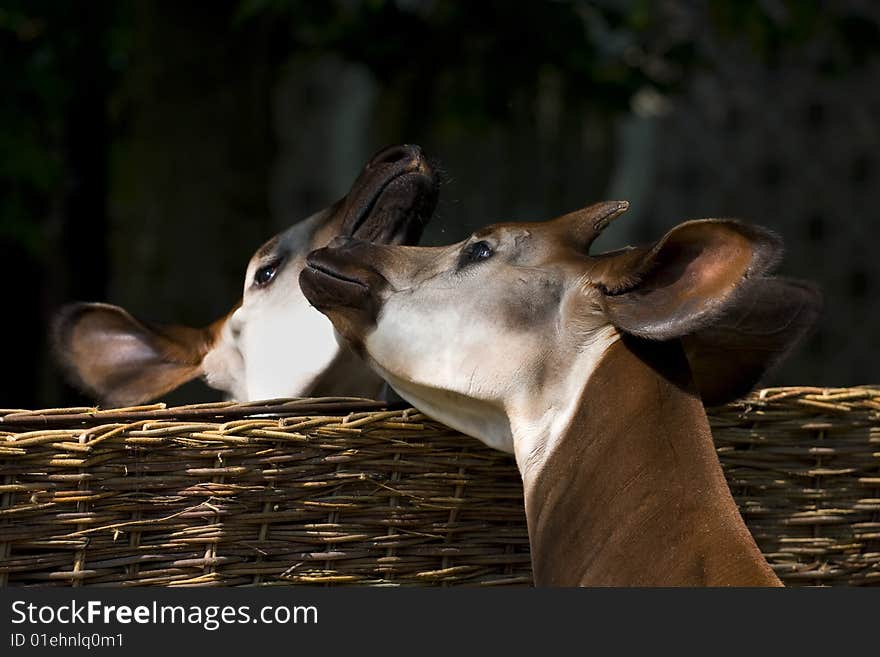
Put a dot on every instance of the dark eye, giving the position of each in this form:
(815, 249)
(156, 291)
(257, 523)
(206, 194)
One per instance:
(265, 274)
(477, 251)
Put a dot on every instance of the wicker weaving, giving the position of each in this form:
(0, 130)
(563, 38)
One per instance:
(337, 491)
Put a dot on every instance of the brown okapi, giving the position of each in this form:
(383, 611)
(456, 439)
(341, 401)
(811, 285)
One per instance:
(590, 369)
(273, 343)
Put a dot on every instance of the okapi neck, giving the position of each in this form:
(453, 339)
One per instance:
(633, 493)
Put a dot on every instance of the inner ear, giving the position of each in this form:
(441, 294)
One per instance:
(121, 360)
(685, 280)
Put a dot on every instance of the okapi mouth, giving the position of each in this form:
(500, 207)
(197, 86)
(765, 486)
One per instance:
(339, 276)
(322, 270)
(392, 199)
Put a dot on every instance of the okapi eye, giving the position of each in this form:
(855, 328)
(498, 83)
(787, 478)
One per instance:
(478, 251)
(264, 275)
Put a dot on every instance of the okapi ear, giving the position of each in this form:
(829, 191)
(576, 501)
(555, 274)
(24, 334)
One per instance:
(686, 280)
(766, 320)
(123, 361)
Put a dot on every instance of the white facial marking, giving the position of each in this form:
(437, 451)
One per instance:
(271, 350)
(286, 347)
(275, 344)
(477, 366)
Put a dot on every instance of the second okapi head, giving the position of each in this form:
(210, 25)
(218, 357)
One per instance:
(273, 343)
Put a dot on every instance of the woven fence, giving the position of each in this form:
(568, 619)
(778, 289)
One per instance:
(339, 491)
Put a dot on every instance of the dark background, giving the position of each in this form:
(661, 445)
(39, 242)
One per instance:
(148, 147)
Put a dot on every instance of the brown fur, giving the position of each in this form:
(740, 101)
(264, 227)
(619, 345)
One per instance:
(634, 493)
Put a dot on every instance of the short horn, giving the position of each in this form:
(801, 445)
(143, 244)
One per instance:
(585, 225)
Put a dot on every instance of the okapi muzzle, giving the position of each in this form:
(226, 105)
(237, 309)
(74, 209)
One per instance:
(393, 197)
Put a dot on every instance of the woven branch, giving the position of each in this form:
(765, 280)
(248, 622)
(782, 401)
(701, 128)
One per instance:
(343, 491)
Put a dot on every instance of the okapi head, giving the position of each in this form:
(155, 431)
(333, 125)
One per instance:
(273, 343)
(588, 367)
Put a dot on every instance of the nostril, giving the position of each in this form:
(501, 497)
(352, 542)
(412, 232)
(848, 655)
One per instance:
(393, 154)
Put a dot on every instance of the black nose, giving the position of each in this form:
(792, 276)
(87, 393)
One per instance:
(395, 154)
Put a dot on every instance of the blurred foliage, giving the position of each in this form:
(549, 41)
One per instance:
(469, 59)
(467, 62)
(31, 117)
(40, 49)
(849, 38)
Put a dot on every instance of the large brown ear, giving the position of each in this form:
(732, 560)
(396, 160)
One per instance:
(766, 320)
(685, 281)
(123, 361)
